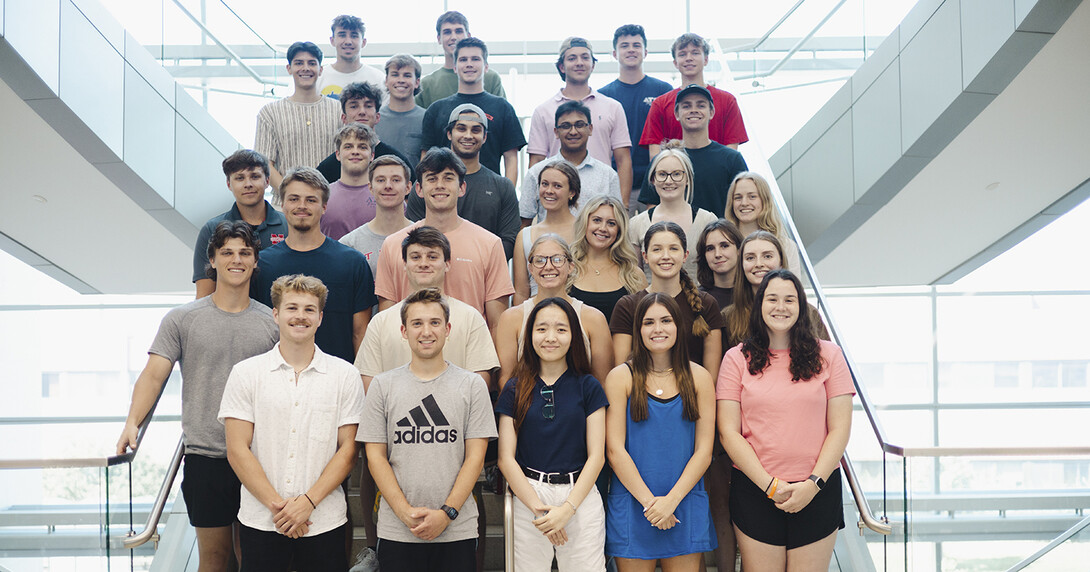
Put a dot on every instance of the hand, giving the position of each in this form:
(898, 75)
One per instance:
(558, 537)
(128, 438)
(294, 514)
(782, 492)
(660, 513)
(799, 495)
(408, 518)
(432, 523)
(554, 519)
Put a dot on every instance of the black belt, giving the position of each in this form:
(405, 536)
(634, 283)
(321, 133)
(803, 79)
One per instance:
(551, 478)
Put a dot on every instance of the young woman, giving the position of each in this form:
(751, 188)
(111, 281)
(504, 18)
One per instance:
(760, 253)
(751, 208)
(606, 265)
(550, 264)
(659, 434)
(717, 259)
(558, 191)
(552, 445)
(784, 415)
(664, 250)
(671, 173)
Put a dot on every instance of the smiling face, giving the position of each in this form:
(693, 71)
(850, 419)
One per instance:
(551, 335)
(303, 208)
(602, 227)
(360, 110)
(665, 255)
(671, 179)
(720, 253)
(426, 329)
(690, 61)
(467, 137)
(401, 82)
(746, 202)
(450, 34)
(389, 186)
(630, 51)
(573, 130)
(298, 316)
(470, 65)
(348, 43)
(304, 69)
(759, 258)
(425, 266)
(555, 267)
(577, 65)
(694, 112)
(441, 190)
(234, 262)
(553, 190)
(355, 155)
(780, 306)
(248, 186)
(658, 329)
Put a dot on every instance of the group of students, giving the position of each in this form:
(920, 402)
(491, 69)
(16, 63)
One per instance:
(643, 416)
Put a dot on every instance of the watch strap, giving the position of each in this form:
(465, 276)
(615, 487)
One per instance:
(820, 482)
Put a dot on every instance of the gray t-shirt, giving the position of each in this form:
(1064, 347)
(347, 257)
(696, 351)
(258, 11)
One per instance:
(208, 342)
(402, 130)
(366, 241)
(424, 425)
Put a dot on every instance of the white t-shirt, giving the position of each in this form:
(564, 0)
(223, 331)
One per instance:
(331, 82)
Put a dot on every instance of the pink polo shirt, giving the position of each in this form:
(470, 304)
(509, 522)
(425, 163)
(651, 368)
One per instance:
(610, 127)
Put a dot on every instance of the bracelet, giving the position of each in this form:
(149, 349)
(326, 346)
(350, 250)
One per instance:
(775, 484)
(569, 503)
(769, 485)
(311, 502)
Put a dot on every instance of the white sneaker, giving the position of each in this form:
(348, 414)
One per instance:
(366, 561)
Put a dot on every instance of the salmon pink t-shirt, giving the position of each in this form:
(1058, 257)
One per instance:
(784, 420)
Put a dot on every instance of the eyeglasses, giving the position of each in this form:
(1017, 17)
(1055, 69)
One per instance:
(548, 411)
(677, 176)
(578, 125)
(557, 260)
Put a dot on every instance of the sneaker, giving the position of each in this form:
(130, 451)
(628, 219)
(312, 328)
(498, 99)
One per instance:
(366, 561)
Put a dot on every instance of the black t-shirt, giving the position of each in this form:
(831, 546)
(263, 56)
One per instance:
(504, 129)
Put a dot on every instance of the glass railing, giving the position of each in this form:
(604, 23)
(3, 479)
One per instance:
(1067, 553)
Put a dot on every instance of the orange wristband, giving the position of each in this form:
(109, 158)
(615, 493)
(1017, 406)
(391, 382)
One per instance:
(775, 483)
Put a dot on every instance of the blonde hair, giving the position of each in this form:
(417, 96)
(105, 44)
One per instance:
(621, 252)
(302, 284)
(573, 272)
(673, 148)
(768, 219)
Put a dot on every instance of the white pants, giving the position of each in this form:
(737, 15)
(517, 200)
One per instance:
(585, 548)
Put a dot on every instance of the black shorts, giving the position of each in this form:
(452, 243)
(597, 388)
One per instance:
(457, 556)
(211, 491)
(757, 516)
(264, 551)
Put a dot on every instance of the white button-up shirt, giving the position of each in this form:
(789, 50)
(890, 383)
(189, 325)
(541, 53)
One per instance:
(295, 427)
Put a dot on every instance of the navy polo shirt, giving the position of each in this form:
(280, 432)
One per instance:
(271, 231)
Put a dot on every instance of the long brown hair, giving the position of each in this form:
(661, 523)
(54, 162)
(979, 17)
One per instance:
(805, 351)
(641, 361)
(529, 367)
(700, 325)
(737, 314)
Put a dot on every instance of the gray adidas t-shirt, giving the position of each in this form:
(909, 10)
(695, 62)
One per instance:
(208, 342)
(424, 425)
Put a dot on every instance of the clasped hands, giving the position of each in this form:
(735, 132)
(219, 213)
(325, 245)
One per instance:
(292, 516)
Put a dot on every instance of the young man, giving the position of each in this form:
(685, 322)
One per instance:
(490, 200)
(297, 131)
(573, 128)
(348, 40)
(451, 28)
(247, 175)
(425, 429)
(609, 141)
(350, 201)
(359, 104)
(402, 119)
(714, 165)
(208, 337)
(690, 53)
(305, 194)
(635, 91)
(478, 272)
(505, 136)
(390, 184)
(290, 416)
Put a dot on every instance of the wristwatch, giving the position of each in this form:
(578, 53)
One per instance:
(452, 513)
(820, 482)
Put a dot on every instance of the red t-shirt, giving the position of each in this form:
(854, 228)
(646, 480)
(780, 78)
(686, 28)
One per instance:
(726, 127)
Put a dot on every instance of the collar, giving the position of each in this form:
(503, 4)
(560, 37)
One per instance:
(588, 161)
(319, 363)
(561, 98)
(273, 217)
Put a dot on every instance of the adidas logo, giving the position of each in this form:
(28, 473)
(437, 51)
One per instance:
(418, 428)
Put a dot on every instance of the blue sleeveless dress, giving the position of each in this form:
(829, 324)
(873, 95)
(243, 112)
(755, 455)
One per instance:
(660, 446)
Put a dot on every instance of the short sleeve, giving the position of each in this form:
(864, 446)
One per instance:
(512, 137)
(510, 222)
(481, 423)
(428, 136)
(594, 397)
(840, 377)
(386, 283)
(200, 252)
(735, 128)
(540, 135)
(497, 279)
(365, 284)
(529, 194)
(619, 137)
(505, 404)
(265, 140)
(494, 84)
(369, 357)
(372, 427)
(729, 384)
(351, 403)
(238, 397)
(168, 340)
(711, 312)
(614, 184)
(480, 350)
(621, 320)
(652, 127)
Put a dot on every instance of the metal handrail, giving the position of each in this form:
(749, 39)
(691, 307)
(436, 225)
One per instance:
(757, 43)
(135, 539)
(1064, 537)
(798, 45)
(230, 53)
(866, 516)
(508, 530)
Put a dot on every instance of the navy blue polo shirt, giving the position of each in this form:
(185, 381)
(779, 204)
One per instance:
(271, 231)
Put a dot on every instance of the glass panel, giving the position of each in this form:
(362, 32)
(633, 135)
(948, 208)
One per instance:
(1069, 556)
